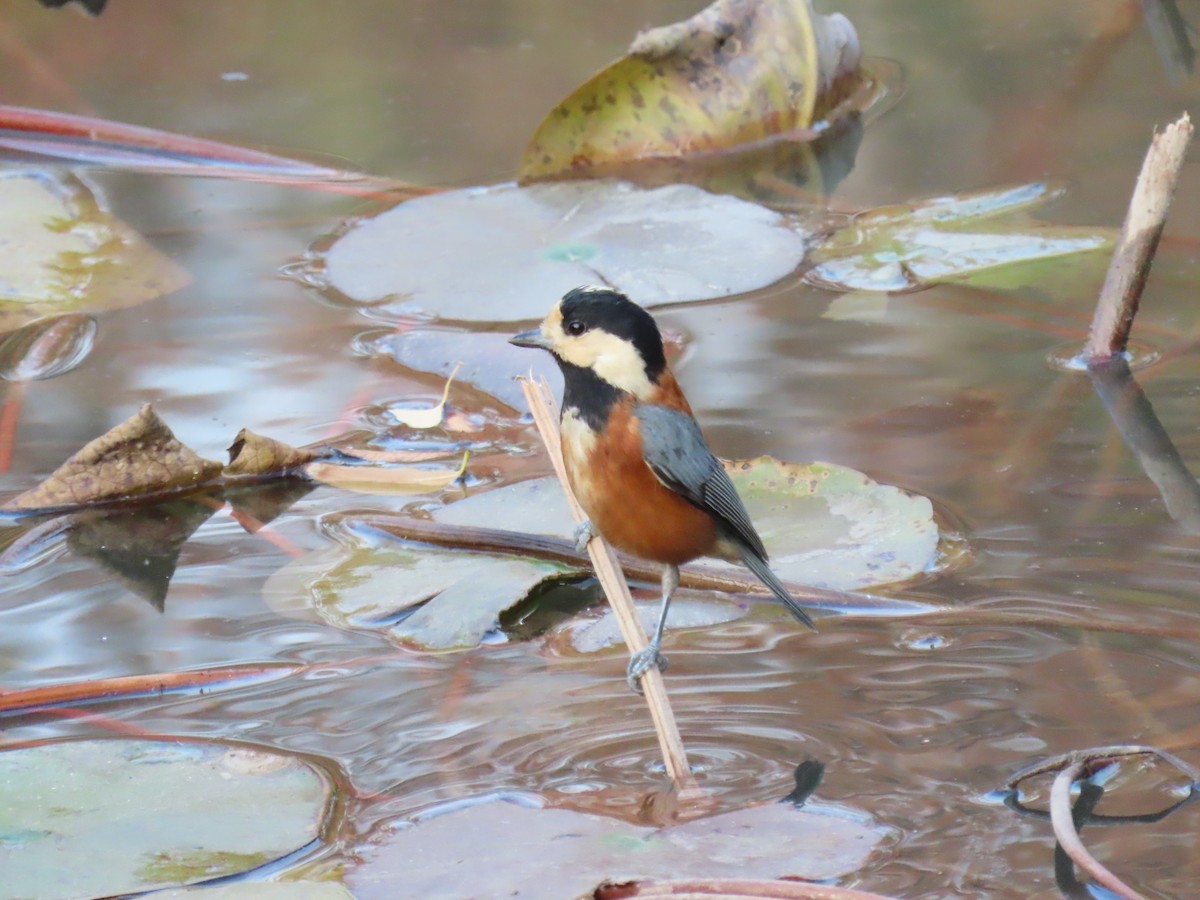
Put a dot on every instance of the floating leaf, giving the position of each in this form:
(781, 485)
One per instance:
(430, 417)
(507, 253)
(97, 818)
(47, 347)
(737, 72)
(472, 849)
(831, 526)
(823, 525)
(60, 250)
(254, 455)
(909, 247)
(137, 458)
(362, 585)
(386, 479)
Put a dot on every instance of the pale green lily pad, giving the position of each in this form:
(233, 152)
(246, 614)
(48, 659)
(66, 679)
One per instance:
(96, 818)
(470, 852)
(61, 251)
(507, 253)
(905, 248)
(364, 585)
(823, 525)
(830, 526)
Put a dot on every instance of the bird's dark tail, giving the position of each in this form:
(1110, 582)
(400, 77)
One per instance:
(759, 567)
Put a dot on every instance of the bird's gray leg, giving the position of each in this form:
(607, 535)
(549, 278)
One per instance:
(584, 532)
(651, 658)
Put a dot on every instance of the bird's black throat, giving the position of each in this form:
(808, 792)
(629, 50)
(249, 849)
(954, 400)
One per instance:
(588, 393)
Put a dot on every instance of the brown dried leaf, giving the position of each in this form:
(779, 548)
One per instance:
(137, 458)
(253, 454)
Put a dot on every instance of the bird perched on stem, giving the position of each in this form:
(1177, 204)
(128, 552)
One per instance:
(634, 453)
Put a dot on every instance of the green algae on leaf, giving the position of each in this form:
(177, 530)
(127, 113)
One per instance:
(830, 526)
(261, 890)
(738, 72)
(104, 817)
(909, 247)
(506, 253)
(61, 251)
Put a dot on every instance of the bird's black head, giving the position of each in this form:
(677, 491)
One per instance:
(602, 330)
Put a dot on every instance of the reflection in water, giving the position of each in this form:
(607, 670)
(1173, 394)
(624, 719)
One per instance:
(139, 546)
(1144, 434)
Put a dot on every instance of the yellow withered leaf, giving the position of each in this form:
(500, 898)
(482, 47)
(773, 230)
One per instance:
(737, 72)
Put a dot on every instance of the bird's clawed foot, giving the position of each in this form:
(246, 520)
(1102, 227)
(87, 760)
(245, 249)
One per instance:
(642, 662)
(584, 533)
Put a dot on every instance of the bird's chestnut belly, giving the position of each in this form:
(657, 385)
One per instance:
(627, 504)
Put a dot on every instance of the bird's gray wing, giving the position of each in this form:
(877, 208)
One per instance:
(676, 452)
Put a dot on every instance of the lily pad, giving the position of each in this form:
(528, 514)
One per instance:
(823, 525)
(61, 251)
(830, 526)
(506, 253)
(97, 818)
(470, 853)
(909, 247)
(364, 585)
(737, 72)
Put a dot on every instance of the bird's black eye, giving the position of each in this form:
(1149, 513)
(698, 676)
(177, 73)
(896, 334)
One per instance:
(575, 328)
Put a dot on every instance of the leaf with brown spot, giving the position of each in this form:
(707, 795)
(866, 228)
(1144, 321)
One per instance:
(738, 72)
(138, 458)
(252, 454)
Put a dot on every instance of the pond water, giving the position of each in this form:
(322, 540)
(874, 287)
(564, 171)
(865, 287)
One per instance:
(1068, 622)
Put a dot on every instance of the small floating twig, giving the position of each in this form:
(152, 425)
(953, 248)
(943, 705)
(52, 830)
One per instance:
(1143, 226)
(608, 571)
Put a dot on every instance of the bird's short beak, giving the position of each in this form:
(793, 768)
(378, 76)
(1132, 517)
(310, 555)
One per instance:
(533, 338)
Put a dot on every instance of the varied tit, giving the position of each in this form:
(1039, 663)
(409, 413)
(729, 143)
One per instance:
(634, 454)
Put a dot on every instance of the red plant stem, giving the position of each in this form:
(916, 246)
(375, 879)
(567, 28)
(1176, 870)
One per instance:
(128, 686)
(10, 414)
(1068, 837)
